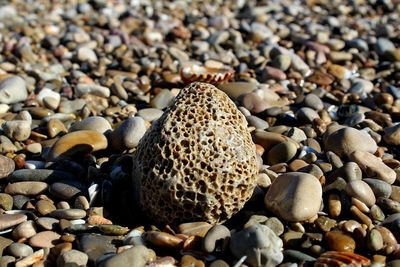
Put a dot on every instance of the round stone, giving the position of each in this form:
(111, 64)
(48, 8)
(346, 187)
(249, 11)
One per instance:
(392, 135)
(294, 196)
(7, 166)
(6, 201)
(45, 239)
(282, 152)
(13, 90)
(361, 190)
(17, 130)
(24, 230)
(44, 207)
(19, 250)
(338, 241)
(345, 141)
(128, 134)
(314, 102)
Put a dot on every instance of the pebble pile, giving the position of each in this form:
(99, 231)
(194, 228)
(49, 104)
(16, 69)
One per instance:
(304, 169)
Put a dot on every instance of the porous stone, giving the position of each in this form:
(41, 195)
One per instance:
(345, 141)
(294, 196)
(259, 243)
(214, 141)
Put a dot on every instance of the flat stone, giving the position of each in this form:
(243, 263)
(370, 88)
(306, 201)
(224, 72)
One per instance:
(48, 223)
(345, 141)
(66, 189)
(39, 175)
(128, 134)
(93, 89)
(85, 141)
(10, 220)
(69, 214)
(45, 239)
(94, 123)
(294, 196)
(13, 90)
(28, 188)
(361, 190)
(373, 166)
(4, 242)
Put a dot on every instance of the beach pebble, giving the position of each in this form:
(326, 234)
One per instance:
(26, 188)
(95, 123)
(7, 166)
(10, 220)
(373, 166)
(13, 90)
(84, 141)
(17, 130)
(362, 191)
(72, 257)
(136, 257)
(345, 141)
(19, 250)
(259, 243)
(45, 239)
(128, 134)
(294, 196)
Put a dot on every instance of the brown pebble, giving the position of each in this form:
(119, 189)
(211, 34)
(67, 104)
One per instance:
(339, 241)
(189, 261)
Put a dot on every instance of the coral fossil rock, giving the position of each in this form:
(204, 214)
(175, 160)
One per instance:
(198, 161)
